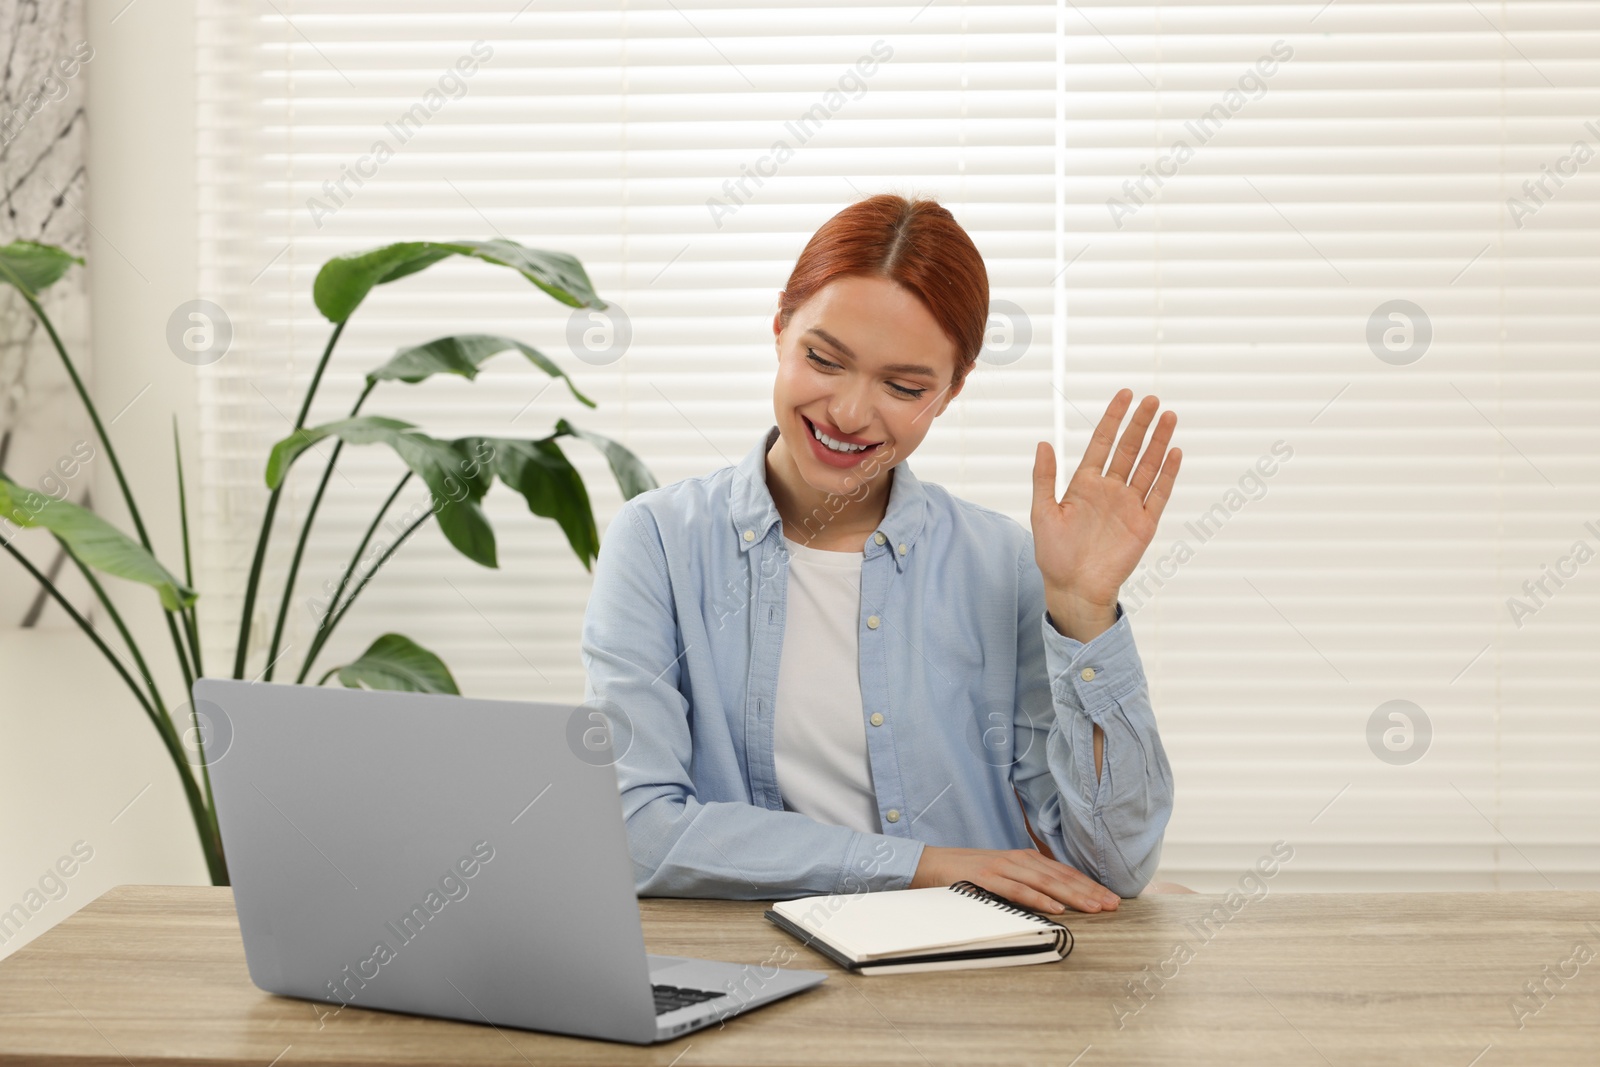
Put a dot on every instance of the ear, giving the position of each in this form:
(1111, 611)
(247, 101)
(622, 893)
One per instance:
(949, 396)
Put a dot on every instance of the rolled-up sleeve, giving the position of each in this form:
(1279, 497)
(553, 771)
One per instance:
(1110, 826)
(680, 845)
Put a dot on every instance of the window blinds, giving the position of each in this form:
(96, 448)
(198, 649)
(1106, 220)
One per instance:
(1352, 245)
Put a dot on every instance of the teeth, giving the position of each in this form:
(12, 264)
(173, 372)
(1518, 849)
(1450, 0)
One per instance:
(837, 446)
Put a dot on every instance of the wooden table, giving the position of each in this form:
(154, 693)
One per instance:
(156, 975)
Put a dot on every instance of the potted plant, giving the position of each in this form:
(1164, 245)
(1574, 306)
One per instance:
(458, 473)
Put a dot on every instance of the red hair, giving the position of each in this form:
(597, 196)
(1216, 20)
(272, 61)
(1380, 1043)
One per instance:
(915, 243)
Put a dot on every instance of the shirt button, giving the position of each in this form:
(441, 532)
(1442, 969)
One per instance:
(879, 538)
(1087, 674)
(877, 718)
(902, 550)
(872, 622)
(749, 535)
(893, 815)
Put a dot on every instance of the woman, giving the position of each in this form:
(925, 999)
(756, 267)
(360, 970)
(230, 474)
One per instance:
(825, 676)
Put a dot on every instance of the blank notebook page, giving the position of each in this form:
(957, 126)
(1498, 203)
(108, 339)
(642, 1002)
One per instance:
(869, 925)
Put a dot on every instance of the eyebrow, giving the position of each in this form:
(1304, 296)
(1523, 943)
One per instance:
(893, 368)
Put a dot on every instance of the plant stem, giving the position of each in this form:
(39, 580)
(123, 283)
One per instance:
(191, 625)
(94, 417)
(365, 578)
(127, 638)
(192, 632)
(210, 841)
(83, 624)
(305, 535)
(205, 824)
(111, 453)
(155, 694)
(191, 615)
(327, 631)
(183, 657)
(205, 773)
(344, 579)
(254, 581)
(205, 768)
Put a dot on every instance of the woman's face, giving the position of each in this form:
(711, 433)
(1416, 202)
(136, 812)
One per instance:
(865, 363)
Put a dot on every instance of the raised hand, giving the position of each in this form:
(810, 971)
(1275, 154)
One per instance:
(1088, 542)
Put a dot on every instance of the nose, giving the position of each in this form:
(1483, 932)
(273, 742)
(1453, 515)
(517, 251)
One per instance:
(851, 410)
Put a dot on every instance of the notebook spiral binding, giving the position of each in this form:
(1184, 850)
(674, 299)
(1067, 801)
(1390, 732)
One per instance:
(972, 889)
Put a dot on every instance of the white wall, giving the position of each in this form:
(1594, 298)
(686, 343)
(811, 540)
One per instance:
(76, 749)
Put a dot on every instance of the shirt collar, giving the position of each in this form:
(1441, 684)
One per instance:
(754, 514)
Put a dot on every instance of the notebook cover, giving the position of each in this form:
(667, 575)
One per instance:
(1048, 956)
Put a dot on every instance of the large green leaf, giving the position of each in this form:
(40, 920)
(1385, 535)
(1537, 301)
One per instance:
(31, 266)
(344, 281)
(457, 478)
(366, 430)
(94, 541)
(633, 477)
(462, 354)
(394, 661)
(553, 488)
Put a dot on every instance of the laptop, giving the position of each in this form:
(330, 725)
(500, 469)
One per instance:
(445, 856)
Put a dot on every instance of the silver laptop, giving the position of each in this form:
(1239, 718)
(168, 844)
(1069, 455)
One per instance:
(447, 856)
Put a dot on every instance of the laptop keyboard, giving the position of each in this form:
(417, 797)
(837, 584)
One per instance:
(671, 997)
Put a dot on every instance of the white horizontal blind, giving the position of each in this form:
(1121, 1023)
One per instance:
(1271, 214)
(1408, 499)
(626, 136)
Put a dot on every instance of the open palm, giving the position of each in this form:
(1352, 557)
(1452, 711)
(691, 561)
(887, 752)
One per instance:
(1088, 542)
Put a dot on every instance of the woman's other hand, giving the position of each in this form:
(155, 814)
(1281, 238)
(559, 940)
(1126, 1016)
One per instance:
(1022, 875)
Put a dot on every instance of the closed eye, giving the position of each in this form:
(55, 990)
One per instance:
(910, 394)
(812, 355)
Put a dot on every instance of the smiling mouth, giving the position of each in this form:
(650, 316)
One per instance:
(841, 447)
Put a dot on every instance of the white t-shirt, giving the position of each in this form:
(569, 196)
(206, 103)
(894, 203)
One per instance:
(820, 736)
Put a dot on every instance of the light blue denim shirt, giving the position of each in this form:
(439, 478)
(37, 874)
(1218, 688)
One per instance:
(966, 687)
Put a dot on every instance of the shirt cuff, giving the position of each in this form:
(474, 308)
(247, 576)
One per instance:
(1091, 675)
(877, 862)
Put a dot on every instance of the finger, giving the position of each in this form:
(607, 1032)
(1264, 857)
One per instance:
(1044, 475)
(1075, 897)
(1132, 438)
(1156, 502)
(1024, 894)
(1151, 463)
(1094, 457)
(1075, 887)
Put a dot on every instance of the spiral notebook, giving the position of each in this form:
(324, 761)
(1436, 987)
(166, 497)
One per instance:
(940, 928)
